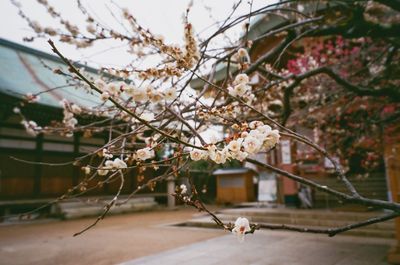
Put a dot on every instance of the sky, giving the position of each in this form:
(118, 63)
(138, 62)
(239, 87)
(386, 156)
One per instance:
(162, 17)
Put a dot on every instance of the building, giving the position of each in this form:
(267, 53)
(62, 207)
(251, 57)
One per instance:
(24, 70)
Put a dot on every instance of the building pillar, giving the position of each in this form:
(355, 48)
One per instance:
(37, 181)
(289, 186)
(170, 191)
(392, 164)
(76, 169)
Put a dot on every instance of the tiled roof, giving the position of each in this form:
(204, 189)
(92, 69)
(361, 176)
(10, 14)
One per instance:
(22, 70)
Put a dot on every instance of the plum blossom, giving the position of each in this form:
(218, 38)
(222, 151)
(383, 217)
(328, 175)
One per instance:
(100, 84)
(105, 96)
(139, 94)
(113, 89)
(76, 109)
(102, 172)
(241, 79)
(147, 116)
(91, 29)
(170, 93)
(31, 127)
(105, 153)
(129, 90)
(16, 110)
(31, 98)
(183, 189)
(241, 156)
(235, 145)
(219, 157)
(272, 139)
(86, 170)
(197, 154)
(240, 87)
(242, 226)
(153, 94)
(145, 153)
(243, 54)
(254, 124)
(119, 163)
(252, 144)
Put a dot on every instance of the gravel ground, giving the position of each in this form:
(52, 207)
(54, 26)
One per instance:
(113, 240)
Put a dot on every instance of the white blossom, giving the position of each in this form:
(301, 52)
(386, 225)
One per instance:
(76, 109)
(113, 89)
(145, 153)
(232, 91)
(241, 79)
(31, 127)
(154, 95)
(106, 153)
(86, 170)
(254, 124)
(16, 110)
(105, 96)
(119, 163)
(242, 226)
(252, 144)
(130, 90)
(197, 154)
(100, 84)
(140, 94)
(170, 93)
(91, 29)
(183, 189)
(235, 145)
(242, 53)
(102, 172)
(32, 98)
(241, 155)
(147, 116)
(272, 139)
(219, 157)
(241, 89)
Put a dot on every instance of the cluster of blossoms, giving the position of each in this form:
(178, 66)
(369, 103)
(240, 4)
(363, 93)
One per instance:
(138, 94)
(69, 35)
(259, 136)
(182, 191)
(69, 110)
(116, 164)
(183, 58)
(241, 88)
(31, 127)
(112, 165)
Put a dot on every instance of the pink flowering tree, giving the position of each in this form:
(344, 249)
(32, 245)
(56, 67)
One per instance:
(157, 106)
(352, 122)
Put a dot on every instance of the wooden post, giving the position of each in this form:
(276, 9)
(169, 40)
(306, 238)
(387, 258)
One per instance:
(392, 163)
(170, 191)
(289, 186)
(37, 182)
(76, 169)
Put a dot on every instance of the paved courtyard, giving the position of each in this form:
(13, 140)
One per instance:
(275, 248)
(113, 240)
(149, 238)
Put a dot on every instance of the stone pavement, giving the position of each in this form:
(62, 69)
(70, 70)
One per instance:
(274, 247)
(114, 240)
